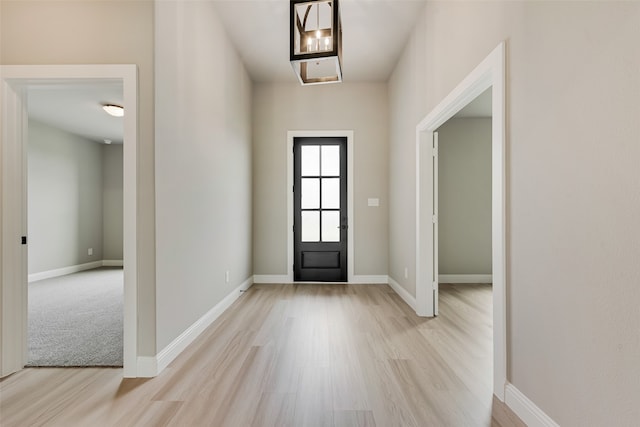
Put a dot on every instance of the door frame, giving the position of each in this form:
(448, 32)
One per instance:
(350, 213)
(14, 81)
(490, 73)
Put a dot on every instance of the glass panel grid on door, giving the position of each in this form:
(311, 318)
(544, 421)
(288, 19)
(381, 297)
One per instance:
(320, 193)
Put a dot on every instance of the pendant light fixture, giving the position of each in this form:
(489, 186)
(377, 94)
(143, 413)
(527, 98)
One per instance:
(316, 41)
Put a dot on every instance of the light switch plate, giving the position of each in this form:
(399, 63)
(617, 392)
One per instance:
(373, 202)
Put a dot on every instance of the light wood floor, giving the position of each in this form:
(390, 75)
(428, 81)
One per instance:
(294, 355)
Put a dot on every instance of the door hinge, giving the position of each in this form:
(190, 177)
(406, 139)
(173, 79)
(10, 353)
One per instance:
(435, 285)
(24, 240)
(435, 152)
(434, 219)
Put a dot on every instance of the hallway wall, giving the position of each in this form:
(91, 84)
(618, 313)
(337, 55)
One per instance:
(278, 108)
(573, 199)
(202, 165)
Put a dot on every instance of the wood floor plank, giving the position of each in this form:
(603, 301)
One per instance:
(390, 408)
(354, 419)
(314, 400)
(157, 414)
(275, 410)
(294, 355)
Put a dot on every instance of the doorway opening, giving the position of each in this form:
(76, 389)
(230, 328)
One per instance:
(75, 219)
(15, 82)
(462, 195)
(489, 74)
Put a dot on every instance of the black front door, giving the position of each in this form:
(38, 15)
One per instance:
(320, 209)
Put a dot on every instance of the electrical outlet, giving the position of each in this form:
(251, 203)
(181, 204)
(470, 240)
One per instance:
(90, 251)
(226, 276)
(406, 273)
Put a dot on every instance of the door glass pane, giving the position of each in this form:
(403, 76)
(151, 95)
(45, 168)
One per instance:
(330, 226)
(330, 193)
(310, 159)
(310, 194)
(310, 226)
(331, 160)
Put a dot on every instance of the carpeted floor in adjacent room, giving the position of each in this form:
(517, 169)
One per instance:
(76, 320)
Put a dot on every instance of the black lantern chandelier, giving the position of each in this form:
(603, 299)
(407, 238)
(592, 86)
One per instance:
(316, 41)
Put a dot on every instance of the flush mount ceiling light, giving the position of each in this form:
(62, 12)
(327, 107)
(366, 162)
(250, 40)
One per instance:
(316, 41)
(114, 110)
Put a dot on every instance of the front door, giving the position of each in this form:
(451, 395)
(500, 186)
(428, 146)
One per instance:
(320, 209)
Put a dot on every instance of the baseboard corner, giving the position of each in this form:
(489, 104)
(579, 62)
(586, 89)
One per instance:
(402, 292)
(367, 279)
(525, 409)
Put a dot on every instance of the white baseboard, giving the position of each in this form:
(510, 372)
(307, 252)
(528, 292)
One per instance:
(177, 346)
(402, 292)
(271, 278)
(369, 279)
(283, 278)
(465, 278)
(74, 269)
(63, 271)
(526, 409)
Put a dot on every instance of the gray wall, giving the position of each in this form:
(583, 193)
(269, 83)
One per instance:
(464, 196)
(75, 199)
(203, 166)
(80, 32)
(64, 199)
(573, 199)
(278, 108)
(112, 202)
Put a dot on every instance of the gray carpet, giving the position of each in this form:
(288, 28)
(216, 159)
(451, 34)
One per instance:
(76, 320)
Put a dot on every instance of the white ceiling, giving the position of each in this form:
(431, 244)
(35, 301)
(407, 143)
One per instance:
(77, 108)
(374, 34)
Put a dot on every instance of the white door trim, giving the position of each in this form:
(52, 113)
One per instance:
(14, 79)
(320, 133)
(490, 73)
